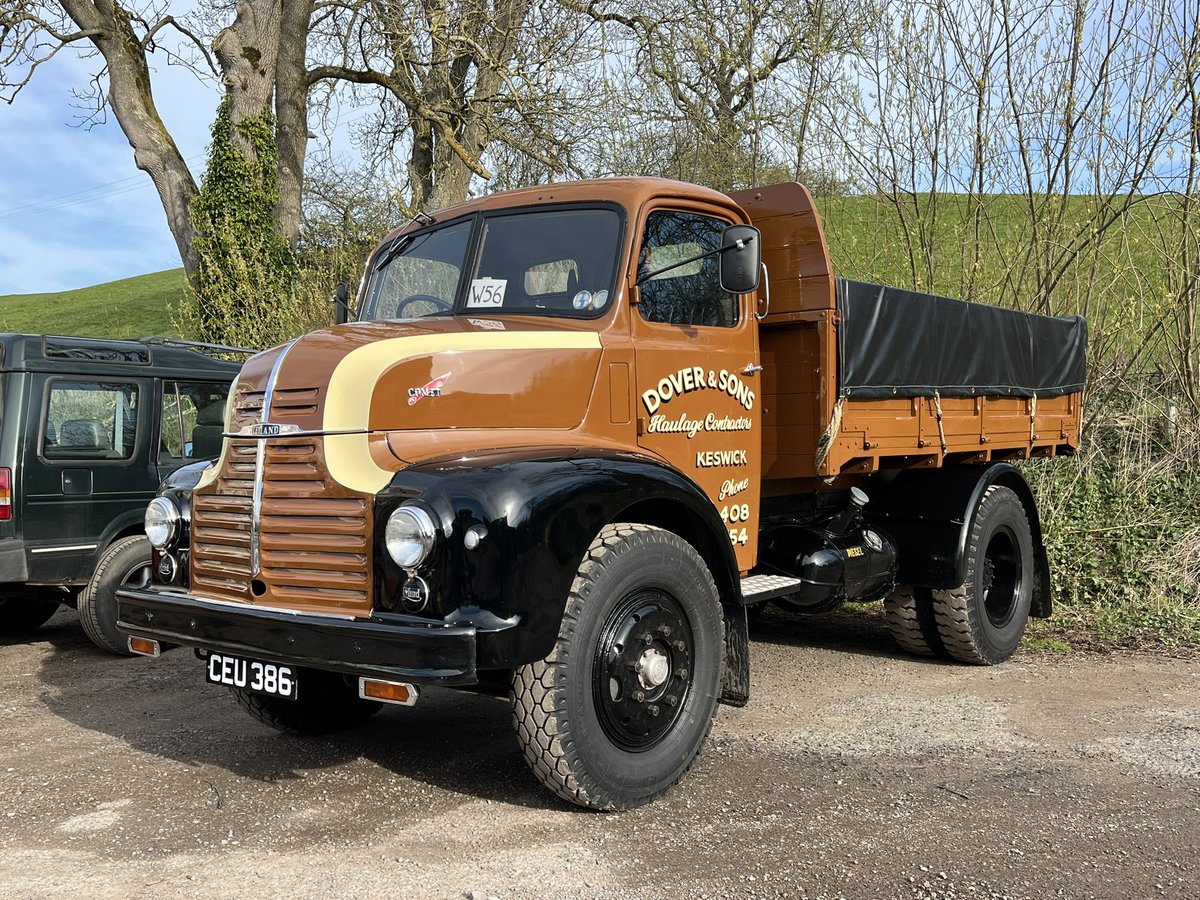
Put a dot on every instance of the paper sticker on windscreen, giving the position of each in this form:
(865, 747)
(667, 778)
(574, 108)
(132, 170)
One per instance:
(486, 293)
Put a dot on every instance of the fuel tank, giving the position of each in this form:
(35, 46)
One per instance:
(839, 559)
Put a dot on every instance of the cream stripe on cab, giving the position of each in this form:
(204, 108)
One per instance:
(348, 399)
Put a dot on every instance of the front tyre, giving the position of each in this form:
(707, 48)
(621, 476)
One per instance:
(983, 620)
(617, 713)
(126, 563)
(325, 704)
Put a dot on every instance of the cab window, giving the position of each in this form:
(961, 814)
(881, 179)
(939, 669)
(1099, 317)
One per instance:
(90, 420)
(683, 293)
(193, 419)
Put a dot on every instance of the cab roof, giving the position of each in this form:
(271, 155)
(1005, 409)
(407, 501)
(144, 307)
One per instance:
(630, 192)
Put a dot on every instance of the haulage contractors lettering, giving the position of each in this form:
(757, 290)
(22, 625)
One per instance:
(660, 424)
(708, 459)
(696, 379)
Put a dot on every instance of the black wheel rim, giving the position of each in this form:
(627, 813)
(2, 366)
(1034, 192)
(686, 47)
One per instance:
(1001, 577)
(642, 672)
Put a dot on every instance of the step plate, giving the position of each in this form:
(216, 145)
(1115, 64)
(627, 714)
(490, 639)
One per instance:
(756, 588)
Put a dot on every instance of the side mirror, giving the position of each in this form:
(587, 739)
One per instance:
(741, 258)
(341, 305)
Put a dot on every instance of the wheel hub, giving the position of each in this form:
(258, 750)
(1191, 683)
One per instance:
(642, 669)
(653, 668)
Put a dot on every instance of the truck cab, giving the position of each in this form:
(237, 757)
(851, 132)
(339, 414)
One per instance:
(574, 434)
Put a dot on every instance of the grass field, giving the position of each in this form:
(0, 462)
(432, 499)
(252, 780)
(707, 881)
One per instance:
(136, 307)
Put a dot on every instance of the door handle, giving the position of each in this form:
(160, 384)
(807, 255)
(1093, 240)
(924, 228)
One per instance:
(752, 369)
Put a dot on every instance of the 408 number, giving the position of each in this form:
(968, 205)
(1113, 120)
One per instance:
(737, 512)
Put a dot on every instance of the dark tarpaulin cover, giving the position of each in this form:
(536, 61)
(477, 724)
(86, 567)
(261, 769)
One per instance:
(896, 343)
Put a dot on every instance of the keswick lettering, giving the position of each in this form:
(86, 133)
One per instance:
(696, 379)
(707, 459)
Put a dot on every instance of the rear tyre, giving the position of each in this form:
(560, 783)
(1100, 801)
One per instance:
(124, 564)
(618, 712)
(908, 611)
(983, 620)
(325, 704)
(23, 609)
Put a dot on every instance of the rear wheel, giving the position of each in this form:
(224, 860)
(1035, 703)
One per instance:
(908, 611)
(983, 620)
(617, 713)
(124, 564)
(23, 609)
(325, 704)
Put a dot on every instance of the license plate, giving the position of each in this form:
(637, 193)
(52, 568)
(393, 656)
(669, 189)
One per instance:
(251, 674)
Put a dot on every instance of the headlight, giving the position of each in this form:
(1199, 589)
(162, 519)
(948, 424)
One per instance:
(409, 536)
(162, 521)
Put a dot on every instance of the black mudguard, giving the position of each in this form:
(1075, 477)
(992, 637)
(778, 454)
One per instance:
(542, 508)
(928, 513)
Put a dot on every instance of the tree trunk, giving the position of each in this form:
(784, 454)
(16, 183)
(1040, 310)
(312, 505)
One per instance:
(248, 53)
(129, 94)
(291, 115)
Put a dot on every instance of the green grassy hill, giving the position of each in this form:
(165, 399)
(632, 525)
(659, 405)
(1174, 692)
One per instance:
(130, 308)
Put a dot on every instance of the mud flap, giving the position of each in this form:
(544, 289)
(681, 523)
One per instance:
(1042, 606)
(735, 678)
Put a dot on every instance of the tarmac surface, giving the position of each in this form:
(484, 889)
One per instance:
(854, 772)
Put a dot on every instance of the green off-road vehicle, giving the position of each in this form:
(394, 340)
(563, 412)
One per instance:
(88, 429)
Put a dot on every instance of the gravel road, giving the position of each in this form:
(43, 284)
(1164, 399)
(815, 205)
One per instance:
(854, 772)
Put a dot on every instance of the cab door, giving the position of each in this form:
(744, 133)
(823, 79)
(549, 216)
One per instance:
(696, 351)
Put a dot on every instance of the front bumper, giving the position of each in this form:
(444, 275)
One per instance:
(388, 646)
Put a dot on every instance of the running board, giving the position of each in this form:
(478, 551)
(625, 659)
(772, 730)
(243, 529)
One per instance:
(756, 588)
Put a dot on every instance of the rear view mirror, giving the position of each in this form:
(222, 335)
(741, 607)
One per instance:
(741, 258)
(341, 306)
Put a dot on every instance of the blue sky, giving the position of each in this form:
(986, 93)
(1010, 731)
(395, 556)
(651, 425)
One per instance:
(73, 209)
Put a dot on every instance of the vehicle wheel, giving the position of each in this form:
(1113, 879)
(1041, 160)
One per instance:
(24, 609)
(325, 704)
(983, 620)
(618, 712)
(908, 611)
(125, 563)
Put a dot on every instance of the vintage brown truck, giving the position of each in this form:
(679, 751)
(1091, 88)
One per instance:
(574, 434)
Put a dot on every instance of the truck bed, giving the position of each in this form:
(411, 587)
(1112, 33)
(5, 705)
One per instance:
(856, 376)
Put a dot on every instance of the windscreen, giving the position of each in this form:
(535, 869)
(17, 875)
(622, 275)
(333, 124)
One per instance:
(554, 262)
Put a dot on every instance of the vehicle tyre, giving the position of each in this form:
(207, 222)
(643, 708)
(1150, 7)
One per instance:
(908, 611)
(24, 609)
(618, 712)
(325, 704)
(983, 620)
(126, 562)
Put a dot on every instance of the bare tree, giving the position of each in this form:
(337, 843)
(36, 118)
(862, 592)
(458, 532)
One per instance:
(721, 86)
(455, 78)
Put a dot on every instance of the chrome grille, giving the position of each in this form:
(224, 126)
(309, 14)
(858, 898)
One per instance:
(313, 547)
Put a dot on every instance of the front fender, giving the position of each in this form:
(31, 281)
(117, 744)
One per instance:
(542, 508)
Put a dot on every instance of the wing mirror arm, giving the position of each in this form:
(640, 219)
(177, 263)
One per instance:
(341, 304)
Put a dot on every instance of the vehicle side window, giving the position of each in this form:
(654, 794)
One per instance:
(193, 419)
(689, 294)
(90, 420)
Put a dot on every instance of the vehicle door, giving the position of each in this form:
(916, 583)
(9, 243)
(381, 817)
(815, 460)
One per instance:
(191, 423)
(86, 468)
(696, 352)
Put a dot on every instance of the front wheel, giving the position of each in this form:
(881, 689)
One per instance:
(325, 703)
(125, 564)
(983, 620)
(617, 713)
